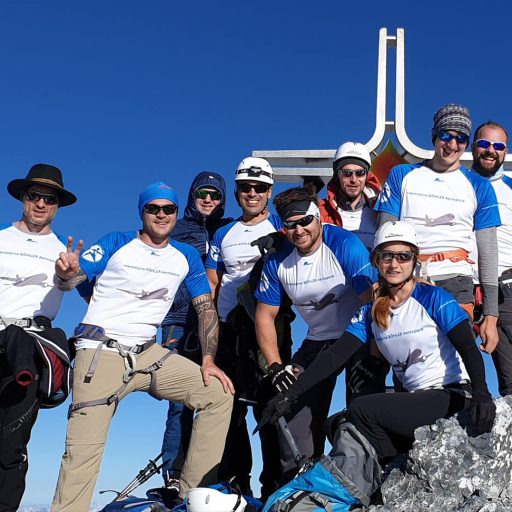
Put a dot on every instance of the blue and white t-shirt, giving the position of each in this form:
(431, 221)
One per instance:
(27, 272)
(361, 222)
(503, 189)
(232, 254)
(133, 285)
(445, 209)
(323, 286)
(416, 344)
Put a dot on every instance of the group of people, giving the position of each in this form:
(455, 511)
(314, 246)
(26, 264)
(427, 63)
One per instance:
(382, 276)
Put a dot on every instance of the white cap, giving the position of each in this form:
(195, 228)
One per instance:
(353, 151)
(255, 169)
(397, 231)
(204, 499)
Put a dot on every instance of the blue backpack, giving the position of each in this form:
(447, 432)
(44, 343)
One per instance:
(348, 476)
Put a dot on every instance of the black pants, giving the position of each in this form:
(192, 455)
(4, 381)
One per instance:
(234, 359)
(19, 407)
(388, 421)
(502, 355)
(306, 422)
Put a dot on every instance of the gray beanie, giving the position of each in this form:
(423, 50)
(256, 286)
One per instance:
(452, 117)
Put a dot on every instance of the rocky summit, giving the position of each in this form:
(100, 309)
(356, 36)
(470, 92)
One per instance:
(448, 470)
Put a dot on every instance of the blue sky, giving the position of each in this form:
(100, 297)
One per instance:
(120, 94)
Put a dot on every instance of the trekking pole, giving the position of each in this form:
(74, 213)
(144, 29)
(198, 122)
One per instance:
(142, 476)
(303, 462)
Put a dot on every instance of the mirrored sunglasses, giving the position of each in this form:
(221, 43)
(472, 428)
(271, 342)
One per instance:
(401, 257)
(348, 174)
(154, 209)
(461, 138)
(304, 221)
(203, 194)
(34, 197)
(259, 188)
(486, 144)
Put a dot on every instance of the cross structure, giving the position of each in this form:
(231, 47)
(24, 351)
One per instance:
(294, 165)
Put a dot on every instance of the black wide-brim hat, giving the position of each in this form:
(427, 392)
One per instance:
(45, 175)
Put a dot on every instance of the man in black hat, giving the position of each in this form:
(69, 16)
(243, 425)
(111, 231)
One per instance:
(34, 357)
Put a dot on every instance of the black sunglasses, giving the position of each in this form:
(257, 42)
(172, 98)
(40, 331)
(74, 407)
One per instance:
(35, 197)
(203, 194)
(303, 222)
(461, 138)
(348, 174)
(401, 257)
(259, 188)
(154, 209)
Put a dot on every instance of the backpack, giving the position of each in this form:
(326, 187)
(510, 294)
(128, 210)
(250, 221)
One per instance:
(348, 476)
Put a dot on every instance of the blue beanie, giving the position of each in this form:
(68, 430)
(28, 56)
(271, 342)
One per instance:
(158, 190)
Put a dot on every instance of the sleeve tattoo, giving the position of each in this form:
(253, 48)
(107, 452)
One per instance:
(208, 324)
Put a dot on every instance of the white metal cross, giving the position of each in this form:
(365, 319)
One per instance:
(294, 165)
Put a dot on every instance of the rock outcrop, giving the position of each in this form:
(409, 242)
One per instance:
(447, 470)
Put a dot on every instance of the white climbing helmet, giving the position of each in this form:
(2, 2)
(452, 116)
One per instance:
(395, 231)
(351, 151)
(255, 169)
(204, 499)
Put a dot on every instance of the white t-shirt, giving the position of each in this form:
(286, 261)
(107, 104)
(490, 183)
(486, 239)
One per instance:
(361, 222)
(232, 254)
(416, 344)
(133, 285)
(445, 209)
(324, 286)
(27, 271)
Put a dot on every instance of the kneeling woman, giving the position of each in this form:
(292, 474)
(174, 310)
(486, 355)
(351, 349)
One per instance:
(426, 338)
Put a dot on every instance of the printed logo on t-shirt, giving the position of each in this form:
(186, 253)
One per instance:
(264, 284)
(94, 254)
(160, 294)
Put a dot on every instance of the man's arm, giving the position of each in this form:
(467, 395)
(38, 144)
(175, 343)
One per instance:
(208, 332)
(214, 279)
(208, 324)
(266, 332)
(487, 246)
(67, 267)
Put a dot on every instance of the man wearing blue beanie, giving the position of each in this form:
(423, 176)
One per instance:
(129, 280)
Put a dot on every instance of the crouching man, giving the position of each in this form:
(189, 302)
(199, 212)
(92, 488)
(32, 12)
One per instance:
(130, 280)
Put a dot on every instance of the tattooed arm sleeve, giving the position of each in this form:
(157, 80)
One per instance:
(208, 324)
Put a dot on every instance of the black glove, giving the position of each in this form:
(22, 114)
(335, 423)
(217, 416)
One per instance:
(281, 377)
(482, 412)
(280, 405)
(364, 371)
(269, 244)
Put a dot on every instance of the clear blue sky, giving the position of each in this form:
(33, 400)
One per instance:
(119, 94)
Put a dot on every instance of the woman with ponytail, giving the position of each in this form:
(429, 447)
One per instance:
(423, 333)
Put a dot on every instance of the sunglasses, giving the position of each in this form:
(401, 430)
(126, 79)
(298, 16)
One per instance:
(154, 209)
(292, 224)
(35, 197)
(203, 194)
(259, 188)
(348, 174)
(401, 257)
(461, 138)
(486, 144)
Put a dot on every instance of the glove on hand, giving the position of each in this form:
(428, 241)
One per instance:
(482, 412)
(281, 376)
(364, 371)
(269, 244)
(280, 405)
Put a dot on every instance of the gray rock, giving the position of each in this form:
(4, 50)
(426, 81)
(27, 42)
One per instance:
(448, 471)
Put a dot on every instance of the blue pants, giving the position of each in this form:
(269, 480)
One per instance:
(178, 427)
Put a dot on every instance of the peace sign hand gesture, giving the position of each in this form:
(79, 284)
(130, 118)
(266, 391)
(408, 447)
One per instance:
(67, 266)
